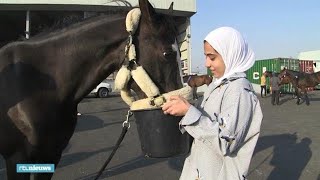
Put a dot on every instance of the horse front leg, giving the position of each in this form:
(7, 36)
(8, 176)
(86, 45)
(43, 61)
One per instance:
(11, 166)
(306, 97)
(47, 157)
(40, 157)
(194, 91)
(298, 92)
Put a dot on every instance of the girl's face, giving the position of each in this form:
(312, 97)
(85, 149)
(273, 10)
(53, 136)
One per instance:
(214, 61)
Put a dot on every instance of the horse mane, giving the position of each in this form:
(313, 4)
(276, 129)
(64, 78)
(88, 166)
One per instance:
(76, 27)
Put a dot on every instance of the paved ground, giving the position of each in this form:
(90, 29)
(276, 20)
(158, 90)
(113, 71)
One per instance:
(288, 148)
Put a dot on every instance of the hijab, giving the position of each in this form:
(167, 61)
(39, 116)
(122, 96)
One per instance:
(234, 50)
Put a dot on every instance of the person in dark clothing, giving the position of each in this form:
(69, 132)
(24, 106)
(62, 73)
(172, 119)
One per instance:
(275, 81)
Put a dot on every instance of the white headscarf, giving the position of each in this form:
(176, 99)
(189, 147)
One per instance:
(234, 50)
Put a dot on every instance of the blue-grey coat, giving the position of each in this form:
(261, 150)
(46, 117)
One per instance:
(225, 128)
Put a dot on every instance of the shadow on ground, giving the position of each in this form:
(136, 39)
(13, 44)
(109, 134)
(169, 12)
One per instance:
(289, 156)
(88, 122)
(76, 157)
(175, 163)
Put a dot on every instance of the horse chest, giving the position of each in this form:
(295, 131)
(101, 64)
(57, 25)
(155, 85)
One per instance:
(41, 128)
(21, 122)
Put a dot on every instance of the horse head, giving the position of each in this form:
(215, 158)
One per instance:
(268, 73)
(284, 76)
(288, 76)
(208, 80)
(157, 50)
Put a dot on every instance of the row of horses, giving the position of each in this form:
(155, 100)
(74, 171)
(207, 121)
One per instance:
(43, 79)
(300, 81)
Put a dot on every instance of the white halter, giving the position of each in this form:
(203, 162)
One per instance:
(140, 76)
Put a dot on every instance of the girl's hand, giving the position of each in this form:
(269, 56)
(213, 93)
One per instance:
(177, 106)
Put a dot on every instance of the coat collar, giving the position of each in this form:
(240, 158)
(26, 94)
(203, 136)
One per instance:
(225, 81)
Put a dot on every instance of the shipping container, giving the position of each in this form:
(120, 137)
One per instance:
(312, 56)
(307, 67)
(275, 65)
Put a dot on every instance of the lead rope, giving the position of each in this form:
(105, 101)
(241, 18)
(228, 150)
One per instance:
(125, 127)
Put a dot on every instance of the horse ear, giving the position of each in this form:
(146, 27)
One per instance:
(171, 9)
(147, 10)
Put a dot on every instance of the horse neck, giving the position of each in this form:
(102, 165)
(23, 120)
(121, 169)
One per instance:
(295, 73)
(317, 77)
(293, 80)
(90, 54)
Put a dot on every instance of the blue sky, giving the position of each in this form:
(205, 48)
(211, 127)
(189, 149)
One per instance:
(273, 28)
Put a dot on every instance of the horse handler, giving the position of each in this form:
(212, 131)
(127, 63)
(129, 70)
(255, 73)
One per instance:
(275, 81)
(226, 125)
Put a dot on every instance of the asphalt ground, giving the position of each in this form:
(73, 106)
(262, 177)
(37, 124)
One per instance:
(288, 147)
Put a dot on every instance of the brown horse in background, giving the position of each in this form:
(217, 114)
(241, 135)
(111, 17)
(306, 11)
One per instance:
(195, 81)
(283, 80)
(300, 81)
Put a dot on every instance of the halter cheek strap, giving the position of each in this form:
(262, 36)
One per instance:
(139, 75)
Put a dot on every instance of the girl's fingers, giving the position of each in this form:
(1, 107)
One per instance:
(175, 106)
(172, 98)
(167, 111)
(166, 105)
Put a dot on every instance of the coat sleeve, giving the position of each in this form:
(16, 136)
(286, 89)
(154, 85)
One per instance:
(235, 120)
(228, 128)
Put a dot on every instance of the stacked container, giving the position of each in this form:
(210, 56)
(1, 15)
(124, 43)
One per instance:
(313, 56)
(276, 65)
(307, 67)
(316, 68)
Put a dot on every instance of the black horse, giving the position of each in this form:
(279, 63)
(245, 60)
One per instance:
(300, 81)
(43, 79)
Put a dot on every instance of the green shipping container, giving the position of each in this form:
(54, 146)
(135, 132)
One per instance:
(275, 65)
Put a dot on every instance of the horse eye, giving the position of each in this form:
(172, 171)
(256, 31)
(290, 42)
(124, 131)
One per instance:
(169, 54)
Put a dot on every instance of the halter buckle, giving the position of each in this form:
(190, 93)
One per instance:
(157, 101)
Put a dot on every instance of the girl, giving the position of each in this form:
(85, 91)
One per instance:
(226, 125)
